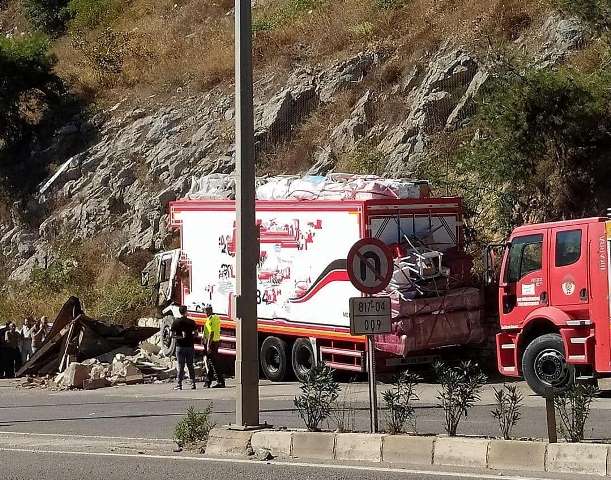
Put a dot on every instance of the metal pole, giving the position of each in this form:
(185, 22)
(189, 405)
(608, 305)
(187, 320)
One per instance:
(247, 256)
(373, 392)
(552, 433)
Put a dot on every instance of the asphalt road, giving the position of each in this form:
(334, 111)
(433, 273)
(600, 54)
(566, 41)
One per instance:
(151, 411)
(28, 465)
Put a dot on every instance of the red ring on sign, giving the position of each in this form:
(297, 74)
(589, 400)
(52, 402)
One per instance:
(354, 278)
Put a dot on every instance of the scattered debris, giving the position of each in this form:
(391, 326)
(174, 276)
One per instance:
(263, 455)
(91, 354)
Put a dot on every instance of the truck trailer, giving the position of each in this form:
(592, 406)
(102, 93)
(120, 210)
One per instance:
(303, 285)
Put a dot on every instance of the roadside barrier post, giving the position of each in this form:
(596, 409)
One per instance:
(550, 410)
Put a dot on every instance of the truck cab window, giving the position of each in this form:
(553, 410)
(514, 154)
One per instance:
(568, 247)
(525, 256)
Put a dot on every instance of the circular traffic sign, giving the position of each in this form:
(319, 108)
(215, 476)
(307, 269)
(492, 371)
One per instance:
(370, 265)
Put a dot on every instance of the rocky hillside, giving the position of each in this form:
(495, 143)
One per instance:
(398, 95)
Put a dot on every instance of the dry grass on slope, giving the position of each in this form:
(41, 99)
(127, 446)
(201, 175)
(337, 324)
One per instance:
(166, 44)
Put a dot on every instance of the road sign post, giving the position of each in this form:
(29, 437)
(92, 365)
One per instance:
(370, 269)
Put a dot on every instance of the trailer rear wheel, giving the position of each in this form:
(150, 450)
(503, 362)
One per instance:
(274, 361)
(168, 343)
(544, 365)
(303, 358)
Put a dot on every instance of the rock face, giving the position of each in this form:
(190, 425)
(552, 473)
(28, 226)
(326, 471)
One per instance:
(140, 159)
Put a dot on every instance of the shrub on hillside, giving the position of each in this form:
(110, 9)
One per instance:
(390, 4)
(108, 289)
(541, 147)
(596, 12)
(365, 159)
(28, 90)
(89, 14)
(49, 16)
(26, 66)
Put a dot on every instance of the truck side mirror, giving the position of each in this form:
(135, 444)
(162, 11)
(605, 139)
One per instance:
(494, 252)
(144, 279)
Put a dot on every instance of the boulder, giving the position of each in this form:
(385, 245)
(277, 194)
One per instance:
(75, 375)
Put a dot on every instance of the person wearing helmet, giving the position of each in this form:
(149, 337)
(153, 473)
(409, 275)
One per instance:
(212, 338)
(184, 329)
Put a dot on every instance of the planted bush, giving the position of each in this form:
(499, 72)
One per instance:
(194, 427)
(508, 409)
(574, 409)
(318, 394)
(344, 411)
(398, 401)
(460, 389)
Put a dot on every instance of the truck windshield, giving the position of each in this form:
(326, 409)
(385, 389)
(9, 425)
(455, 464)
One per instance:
(524, 257)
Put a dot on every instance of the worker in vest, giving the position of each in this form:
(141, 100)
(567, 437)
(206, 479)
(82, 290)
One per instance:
(212, 338)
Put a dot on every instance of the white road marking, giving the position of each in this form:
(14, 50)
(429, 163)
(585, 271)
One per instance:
(28, 434)
(478, 476)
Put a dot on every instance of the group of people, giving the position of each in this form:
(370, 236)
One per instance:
(18, 345)
(184, 330)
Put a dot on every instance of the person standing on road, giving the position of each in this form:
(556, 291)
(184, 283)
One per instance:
(38, 334)
(4, 353)
(184, 329)
(12, 339)
(212, 338)
(26, 338)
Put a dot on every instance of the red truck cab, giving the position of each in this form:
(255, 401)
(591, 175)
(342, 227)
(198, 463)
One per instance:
(554, 304)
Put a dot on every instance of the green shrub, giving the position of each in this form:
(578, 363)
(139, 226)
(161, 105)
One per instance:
(508, 409)
(49, 16)
(460, 389)
(365, 159)
(390, 4)
(318, 394)
(121, 301)
(194, 427)
(263, 25)
(29, 91)
(574, 409)
(596, 12)
(89, 14)
(398, 401)
(541, 148)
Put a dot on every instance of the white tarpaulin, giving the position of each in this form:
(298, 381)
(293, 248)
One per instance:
(335, 186)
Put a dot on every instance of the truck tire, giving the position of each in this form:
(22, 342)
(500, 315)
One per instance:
(168, 343)
(302, 358)
(544, 366)
(273, 359)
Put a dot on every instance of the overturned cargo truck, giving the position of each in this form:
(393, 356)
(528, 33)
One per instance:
(303, 285)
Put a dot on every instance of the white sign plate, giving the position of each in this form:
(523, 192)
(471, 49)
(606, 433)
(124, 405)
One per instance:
(370, 315)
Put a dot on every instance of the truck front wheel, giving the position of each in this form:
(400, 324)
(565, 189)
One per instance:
(274, 361)
(544, 365)
(168, 342)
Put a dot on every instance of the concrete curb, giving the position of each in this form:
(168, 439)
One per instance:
(493, 454)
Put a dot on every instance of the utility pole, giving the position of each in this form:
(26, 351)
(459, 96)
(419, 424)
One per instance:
(247, 257)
